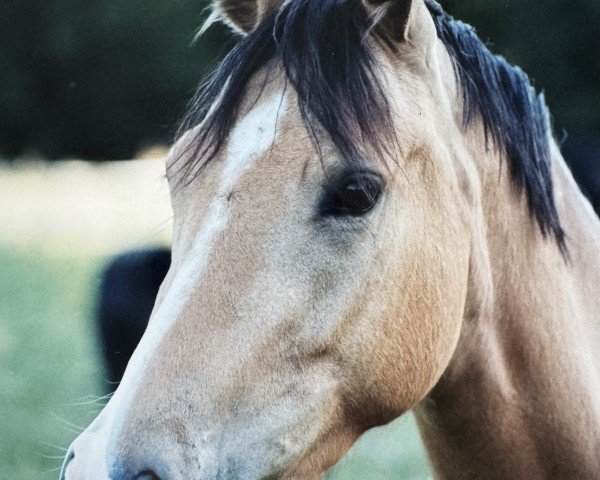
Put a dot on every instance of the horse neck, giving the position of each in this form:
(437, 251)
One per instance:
(520, 397)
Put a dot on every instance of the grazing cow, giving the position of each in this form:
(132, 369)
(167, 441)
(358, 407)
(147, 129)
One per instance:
(128, 289)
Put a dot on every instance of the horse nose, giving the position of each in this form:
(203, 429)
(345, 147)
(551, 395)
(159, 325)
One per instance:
(115, 473)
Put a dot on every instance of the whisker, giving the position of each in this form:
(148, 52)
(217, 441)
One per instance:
(56, 469)
(51, 457)
(66, 423)
(51, 445)
(93, 399)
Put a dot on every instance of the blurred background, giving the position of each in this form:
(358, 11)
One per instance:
(91, 91)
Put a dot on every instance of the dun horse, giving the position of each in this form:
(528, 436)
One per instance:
(371, 216)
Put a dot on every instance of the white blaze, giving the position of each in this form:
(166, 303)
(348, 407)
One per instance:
(250, 138)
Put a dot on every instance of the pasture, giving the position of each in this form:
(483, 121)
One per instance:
(60, 224)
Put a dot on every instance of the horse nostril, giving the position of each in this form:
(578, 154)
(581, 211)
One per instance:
(119, 472)
(147, 475)
(68, 459)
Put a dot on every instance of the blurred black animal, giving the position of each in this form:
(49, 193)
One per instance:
(128, 289)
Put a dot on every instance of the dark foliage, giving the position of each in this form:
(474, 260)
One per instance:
(97, 79)
(556, 42)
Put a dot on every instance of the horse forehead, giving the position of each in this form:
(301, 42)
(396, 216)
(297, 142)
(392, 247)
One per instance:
(243, 163)
(212, 211)
(253, 135)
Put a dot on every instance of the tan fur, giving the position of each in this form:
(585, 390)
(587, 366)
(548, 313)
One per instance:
(520, 398)
(298, 339)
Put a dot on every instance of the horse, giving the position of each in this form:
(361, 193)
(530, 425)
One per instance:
(128, 288)
(371, 216)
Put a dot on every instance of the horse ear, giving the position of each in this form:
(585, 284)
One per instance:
(243, 15)
(393, 17)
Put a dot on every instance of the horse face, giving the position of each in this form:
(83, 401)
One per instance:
(309, 299)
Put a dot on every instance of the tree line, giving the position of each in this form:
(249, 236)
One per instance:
(100, 79)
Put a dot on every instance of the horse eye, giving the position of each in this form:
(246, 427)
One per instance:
(355, 195)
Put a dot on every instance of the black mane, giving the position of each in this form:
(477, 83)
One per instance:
(321, 45)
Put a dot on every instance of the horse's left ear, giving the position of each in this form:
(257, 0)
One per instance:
(398, 20)
(244, 15)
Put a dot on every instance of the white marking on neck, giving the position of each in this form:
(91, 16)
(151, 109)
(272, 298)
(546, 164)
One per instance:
(250, 138)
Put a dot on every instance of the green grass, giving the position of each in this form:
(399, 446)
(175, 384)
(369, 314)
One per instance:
(48, 359)
(49, 369)
(394, 452)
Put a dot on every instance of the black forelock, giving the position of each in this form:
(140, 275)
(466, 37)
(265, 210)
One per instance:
(323, 49)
